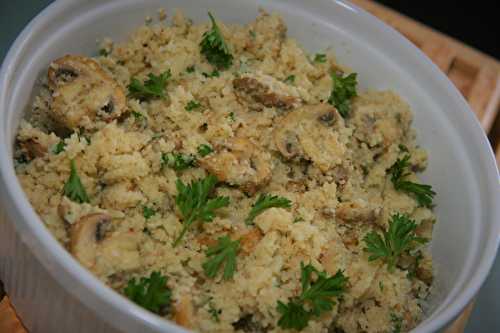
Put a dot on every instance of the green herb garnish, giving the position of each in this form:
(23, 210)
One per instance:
(397, 323)
(178, 161)
(290, 79)
(423, 193)
(214, 73)
(264, 202)
(148, 212)
(191, 105)
(343, 89)
(190, 69)
(214, 48)
(204, 150)
(214, 312)
(222, 254)
(153, 87)
(399, 238)
(73, 189)
(137, 115)
(151, 293)
(317, 294)
(231, 116)
(194, 203)
(59, 148)
(320, 58)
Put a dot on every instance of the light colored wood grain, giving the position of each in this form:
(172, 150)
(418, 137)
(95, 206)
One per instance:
(9, 323)
(475, 74)
(459, 324)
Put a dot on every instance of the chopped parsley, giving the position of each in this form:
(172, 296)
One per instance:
(194, 203)
(318, 295)
(148, 212)
(204, 150)
(214, 312)
(214, 73)
(265, 201)
(298, 219)
(399, 238)
(221, 254)
(423, 193)
(151, 293)
(190, 69)
(178, 161)
(59, 148)
(343, 89)
(397, 323)
(137, 115)
(73, 189)
(252, 34)
(153, 87)
(290, 79)
(231, 116)
(191, 105)
(214, 48)
(320, 58)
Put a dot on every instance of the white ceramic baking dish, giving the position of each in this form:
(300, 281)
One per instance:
(53, 293)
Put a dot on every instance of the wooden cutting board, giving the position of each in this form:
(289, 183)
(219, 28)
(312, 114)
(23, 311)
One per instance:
(475, 74)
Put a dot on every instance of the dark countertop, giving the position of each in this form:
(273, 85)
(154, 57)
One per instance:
(485, 316)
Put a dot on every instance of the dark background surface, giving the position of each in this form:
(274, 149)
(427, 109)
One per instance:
(474, 22)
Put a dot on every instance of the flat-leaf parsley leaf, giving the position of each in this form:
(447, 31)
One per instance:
(399, 238)
(222, 253)
(343, 89)
(265, 201)
(204, 150)
(153, 87)
(214, 48)
(73, 188)
(194, 203)
(423, 193)
(178, 161)
(151, 293)
(317, 294)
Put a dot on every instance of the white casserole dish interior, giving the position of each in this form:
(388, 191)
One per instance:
(53, 293)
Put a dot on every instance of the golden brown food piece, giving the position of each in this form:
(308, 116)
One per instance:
(353, 211)
(312, 133)
(240, 163)
(82, 92)
(250, 240)
(32, 148)
(184, 312)
(85, 236)
(258, 94)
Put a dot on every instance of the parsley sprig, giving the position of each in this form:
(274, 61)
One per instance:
(153, 87)
(343, 89)
(151, 293)
(222, 253)
(178, 161)
(214, 48)
(423, 193)
(265, 201)
(59, 147)
(73, 188)
(194, 203)
(318, 294)
(204, 150)
(399, 238)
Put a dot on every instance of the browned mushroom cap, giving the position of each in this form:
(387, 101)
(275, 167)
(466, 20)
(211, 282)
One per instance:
(32, 148)
(86, 234)
(352, 211)
(258, 94)
(240, 163)
(83, 91)
(311, 133)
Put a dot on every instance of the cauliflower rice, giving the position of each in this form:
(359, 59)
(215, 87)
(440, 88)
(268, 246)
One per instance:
(334, 174)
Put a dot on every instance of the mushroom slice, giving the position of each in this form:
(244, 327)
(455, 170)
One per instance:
(85, 236)
(240, 163)
(357, 212)
(258, 94)
(312, 133)
(82, 92)
(32, 148)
